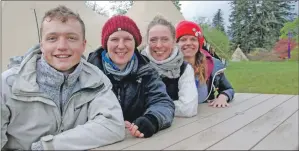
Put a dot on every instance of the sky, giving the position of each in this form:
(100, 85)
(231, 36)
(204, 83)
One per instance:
(207, 9)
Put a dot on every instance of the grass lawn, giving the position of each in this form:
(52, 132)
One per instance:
(264, 77)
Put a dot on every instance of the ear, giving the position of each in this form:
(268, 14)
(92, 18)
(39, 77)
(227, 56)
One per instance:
(41, 46)
(84, 45)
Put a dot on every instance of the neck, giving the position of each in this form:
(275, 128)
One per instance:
(69, 71)
(190, 60)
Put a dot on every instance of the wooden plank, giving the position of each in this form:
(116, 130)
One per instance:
(212, 135)
(259, 128)
(284, 137)
(204, 111)
(167, 139)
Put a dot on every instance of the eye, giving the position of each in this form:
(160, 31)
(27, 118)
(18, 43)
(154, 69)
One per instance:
(113, 39)
(193, 39)
(153, 40)
(165, 39)
(51, 38)
(182, 39)
(128, 39)
(72, 38)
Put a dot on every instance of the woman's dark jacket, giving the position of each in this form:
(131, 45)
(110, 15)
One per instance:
(141, 92)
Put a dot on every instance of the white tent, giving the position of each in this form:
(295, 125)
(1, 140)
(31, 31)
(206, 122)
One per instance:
(142, 12)
(21, 21)
(238, 55)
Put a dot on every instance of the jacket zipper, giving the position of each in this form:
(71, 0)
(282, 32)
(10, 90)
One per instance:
(139, 81)
(138, 86)
(60, 95)
(118, 94)
(212, 85)
(61, 103)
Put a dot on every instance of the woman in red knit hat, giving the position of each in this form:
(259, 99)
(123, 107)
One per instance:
(168, 59)
(147, 108)
(208, 70)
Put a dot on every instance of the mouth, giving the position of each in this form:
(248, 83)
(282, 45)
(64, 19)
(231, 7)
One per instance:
(188, 49)
(120, 54)
(159, 52)
(62, 56)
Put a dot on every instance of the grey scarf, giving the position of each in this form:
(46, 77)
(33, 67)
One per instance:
(118, 74)
(169, 67)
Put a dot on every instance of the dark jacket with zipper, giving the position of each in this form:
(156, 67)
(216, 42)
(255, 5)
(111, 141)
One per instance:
(220, 82)
(141, 92)
(217, 80)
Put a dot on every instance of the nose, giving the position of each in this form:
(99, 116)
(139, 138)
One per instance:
(121, 44)
(159, 44)
(188, 42)
(62, 44)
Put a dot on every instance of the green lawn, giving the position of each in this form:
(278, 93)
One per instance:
(264, 77)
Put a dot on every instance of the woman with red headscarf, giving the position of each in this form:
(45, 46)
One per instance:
(207, 69)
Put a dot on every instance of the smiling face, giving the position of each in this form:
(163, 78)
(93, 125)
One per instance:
(189, 45)
(62, 44)
(161, 42)
(121, 47)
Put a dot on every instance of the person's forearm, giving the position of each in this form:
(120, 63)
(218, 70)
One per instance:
(94, 133)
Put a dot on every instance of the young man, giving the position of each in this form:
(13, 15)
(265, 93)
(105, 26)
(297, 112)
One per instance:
(54, 99)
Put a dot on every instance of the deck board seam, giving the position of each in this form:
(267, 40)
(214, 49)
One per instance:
(252, 121)
(273, 130)
(201, 119)
(222, 122)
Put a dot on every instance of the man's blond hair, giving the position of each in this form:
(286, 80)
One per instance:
(62, 13)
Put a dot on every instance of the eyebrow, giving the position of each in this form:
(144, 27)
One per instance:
(55, 33)
(159, 37)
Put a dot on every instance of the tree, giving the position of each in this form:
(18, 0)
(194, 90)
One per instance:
(239, 29)
(200, 20)
(218, 21)
(218, 40)
(257, 24)
(291, 27)
(121, 7)
(283, 13)
(96, 8)
(281, 47)
(177, 4)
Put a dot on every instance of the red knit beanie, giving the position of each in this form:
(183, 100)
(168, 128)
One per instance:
(120, 22)
(189, 28)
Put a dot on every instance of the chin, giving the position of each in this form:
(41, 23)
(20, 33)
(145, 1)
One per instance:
(121, 62)
(158, 58)
(63, 68)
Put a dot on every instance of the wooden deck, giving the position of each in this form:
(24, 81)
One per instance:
(252, 122)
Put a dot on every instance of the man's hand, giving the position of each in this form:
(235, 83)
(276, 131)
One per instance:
(221, 101)
(133, 129)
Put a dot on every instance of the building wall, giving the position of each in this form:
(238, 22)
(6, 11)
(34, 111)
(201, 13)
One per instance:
(20, 32)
